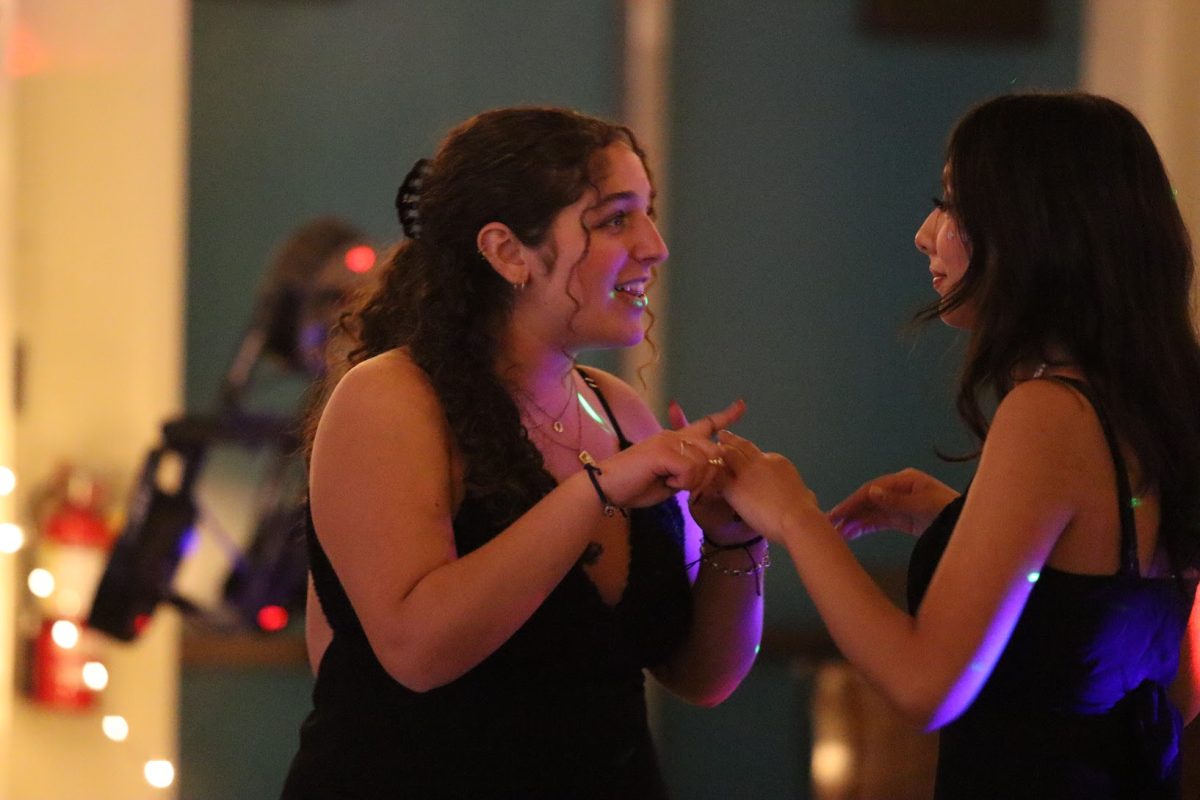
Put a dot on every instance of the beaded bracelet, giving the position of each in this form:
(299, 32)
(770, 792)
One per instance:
(707, 542)
(708, 548)
(610, 508)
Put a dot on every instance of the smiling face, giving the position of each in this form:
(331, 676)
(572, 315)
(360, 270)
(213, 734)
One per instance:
(598, 259)
(949, 253)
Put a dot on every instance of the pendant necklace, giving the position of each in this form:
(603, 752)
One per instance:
(593, 551)
(555, 420)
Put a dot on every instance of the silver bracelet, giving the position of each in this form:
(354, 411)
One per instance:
(756, 568)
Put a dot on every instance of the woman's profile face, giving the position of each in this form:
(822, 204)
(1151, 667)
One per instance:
(604, 246)
(949, 253)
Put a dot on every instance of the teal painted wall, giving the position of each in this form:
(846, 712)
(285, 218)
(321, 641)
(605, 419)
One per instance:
(804, 154)
(310, 107)
(803, 157)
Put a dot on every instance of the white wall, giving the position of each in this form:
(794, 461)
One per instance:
(98, 116)
(7, 419)
(1144, 55)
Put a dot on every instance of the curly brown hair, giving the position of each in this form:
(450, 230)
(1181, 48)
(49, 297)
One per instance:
(441, 300)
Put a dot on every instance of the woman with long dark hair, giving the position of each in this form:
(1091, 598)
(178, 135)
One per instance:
(1048, 601)
(497, 549)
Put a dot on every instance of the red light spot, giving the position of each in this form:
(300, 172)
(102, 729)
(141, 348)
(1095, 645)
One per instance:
(272, 618)
(360, 258)
(140, 622)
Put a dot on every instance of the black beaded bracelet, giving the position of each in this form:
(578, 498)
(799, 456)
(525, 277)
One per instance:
(735, 546)
(756, 567)
(610, 507)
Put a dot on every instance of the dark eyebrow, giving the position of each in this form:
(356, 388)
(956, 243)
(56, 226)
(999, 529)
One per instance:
(609, 198)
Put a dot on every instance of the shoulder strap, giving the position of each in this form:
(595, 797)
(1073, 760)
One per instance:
(591, 384)
(1129, 554)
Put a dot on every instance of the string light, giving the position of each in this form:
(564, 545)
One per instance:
(159, 773)
(12, 538)
(8, 481)
(95, 676)
(65, 634)
(115, 727)
(40, 583)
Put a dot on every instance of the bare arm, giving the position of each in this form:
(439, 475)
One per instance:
(383, 488)
(905, 501)
(727, 609)
(932, 666)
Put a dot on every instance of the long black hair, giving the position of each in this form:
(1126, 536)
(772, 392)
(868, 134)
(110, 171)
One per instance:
(1077, 245)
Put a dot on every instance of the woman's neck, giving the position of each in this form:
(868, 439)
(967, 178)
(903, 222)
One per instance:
(533, 367)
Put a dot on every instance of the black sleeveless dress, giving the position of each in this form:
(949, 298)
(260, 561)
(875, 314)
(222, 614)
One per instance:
(558, 711)
(1076, 706)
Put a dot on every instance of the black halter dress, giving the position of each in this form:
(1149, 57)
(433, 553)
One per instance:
(1076, 706)
(558, 711)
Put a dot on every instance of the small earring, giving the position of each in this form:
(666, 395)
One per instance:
(519, 286)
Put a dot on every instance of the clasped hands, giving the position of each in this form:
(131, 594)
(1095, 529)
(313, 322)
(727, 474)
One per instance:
(750, 490)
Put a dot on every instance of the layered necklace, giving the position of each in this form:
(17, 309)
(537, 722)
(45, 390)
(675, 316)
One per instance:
(594, 549)
(556, 423)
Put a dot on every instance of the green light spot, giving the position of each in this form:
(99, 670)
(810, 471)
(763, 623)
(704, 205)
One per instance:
(757, 648)
(591, 412)
(1033, 577)
(1135, 502)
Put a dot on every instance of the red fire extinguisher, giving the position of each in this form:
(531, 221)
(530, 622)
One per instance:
(65, 670)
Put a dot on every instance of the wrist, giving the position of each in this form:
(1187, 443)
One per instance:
(593, 472)
(749, 558)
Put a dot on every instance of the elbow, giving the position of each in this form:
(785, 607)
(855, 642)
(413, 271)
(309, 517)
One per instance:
(418, 669)
(708, 697)
(929, 708)
(702, 692)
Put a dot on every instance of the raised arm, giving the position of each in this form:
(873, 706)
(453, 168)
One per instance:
(727, 609)
(1025, 494)
(385, 483)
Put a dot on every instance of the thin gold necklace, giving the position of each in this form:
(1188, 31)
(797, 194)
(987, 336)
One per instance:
(577, 448)
(555, 420)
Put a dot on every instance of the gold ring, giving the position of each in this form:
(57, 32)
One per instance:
(717, 462)
(736, 449)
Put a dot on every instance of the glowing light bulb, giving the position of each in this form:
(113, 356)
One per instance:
(12, 538)
(8, 481)
(159, 773)
(360, 258)
(832, 762)
(272, 618)
(115, 727)
(95, 676)
(65, 634)
(40, 582)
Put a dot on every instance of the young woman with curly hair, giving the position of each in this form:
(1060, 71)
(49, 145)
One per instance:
(497, 545)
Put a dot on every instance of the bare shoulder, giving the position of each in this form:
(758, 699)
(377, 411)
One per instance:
(384, 403)
(1043, 408)
(1047, 427)
(390, 384)
(635, 417)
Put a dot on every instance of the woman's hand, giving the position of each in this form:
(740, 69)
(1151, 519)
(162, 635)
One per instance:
(708, 508)
(765, 489)
(670, 461)
(905, 501)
